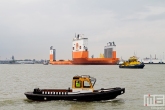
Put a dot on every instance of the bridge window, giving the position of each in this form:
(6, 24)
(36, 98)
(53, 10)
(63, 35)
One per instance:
(78, 84)
(86, 84)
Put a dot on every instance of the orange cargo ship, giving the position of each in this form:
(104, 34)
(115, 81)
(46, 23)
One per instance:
(80, 54)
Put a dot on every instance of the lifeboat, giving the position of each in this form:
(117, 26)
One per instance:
(132, 63)
(82, 90)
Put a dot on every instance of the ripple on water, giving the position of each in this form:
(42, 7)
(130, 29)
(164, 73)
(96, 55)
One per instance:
(17, 79)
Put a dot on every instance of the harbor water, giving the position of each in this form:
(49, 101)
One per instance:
(15, 79)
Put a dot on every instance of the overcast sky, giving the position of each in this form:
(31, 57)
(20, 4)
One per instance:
(29, 27)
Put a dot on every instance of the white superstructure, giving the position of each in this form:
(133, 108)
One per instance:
(152, 60)
(80, 47)
(80, 43)
(24, 62)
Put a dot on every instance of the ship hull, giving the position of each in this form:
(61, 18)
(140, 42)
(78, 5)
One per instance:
(133, 67)
(97, 95)
(88, 61)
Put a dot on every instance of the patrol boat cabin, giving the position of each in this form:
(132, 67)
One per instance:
(82, 90)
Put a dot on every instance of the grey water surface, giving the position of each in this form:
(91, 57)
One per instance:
(15, 79)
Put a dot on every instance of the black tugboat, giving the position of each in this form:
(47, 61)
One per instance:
(82, 90)
(132, 63)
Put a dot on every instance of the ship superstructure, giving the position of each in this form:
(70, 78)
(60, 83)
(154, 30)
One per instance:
(152, 61)
(80, 47)
(52, 54)
(110, 50)
(80, 54)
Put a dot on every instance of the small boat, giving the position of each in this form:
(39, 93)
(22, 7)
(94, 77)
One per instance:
(82, 90)
(45, 62)
(132, 63)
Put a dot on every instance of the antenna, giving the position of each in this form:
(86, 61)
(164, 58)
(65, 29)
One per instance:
(51, 47)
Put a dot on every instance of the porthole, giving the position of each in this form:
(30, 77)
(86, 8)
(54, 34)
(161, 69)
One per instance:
(45, 98)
